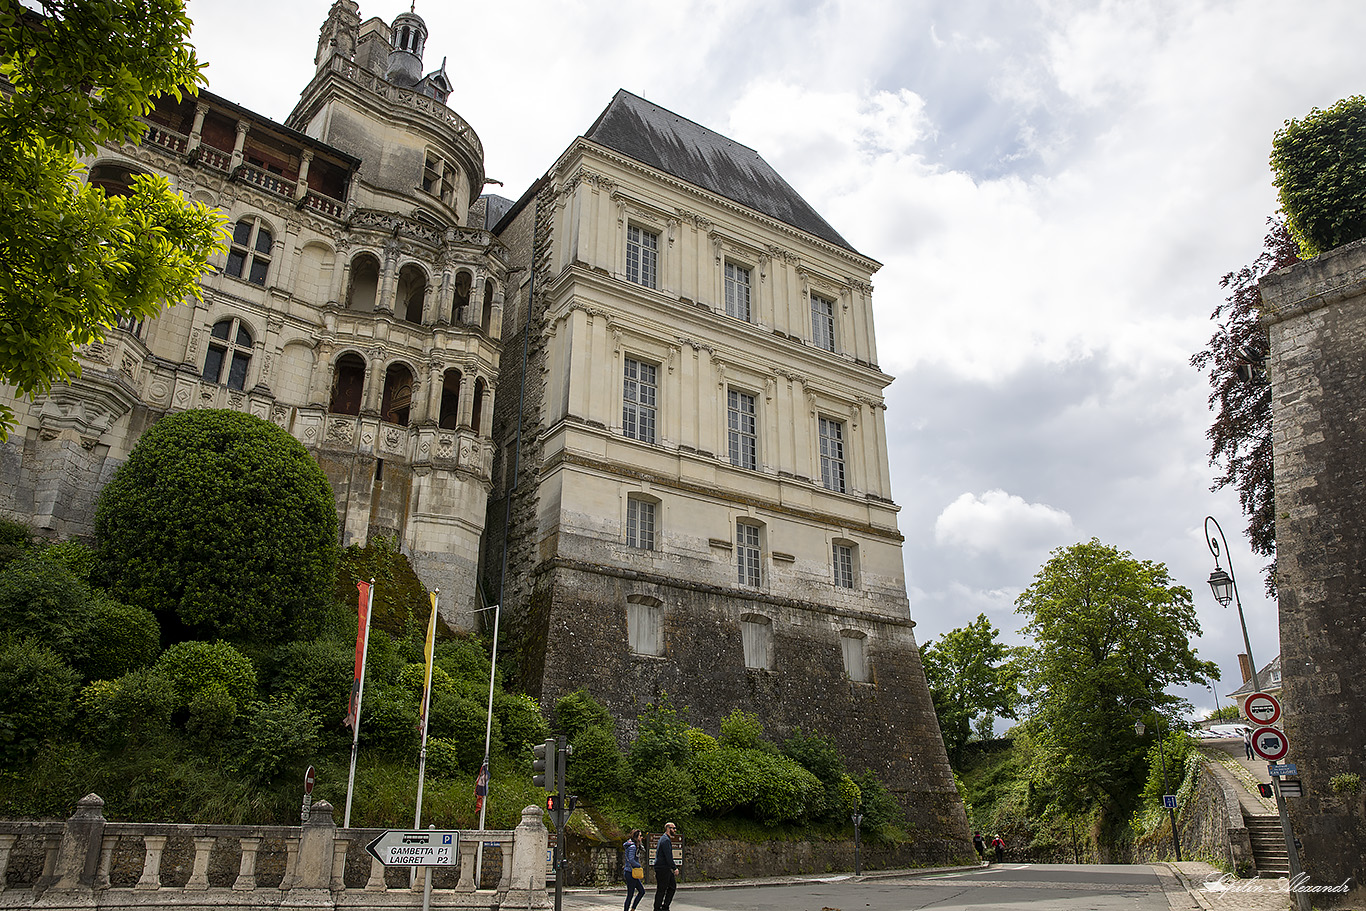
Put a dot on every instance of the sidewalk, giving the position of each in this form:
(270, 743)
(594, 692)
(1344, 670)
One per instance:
(1211, 890)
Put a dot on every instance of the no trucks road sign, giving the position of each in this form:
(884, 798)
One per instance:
(1262, 708)
(432, 848)
(1270, 744)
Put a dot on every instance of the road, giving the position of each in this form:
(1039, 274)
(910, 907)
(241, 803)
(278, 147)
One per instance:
(1003, 887)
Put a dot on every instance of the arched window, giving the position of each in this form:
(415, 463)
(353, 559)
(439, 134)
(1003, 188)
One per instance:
(412, 289)
(449, 418)
(348, 384)
(398, 395)
(460, 303)
(249, 255)
(486, 318)
(477, 418)
(230, 346)
(113, 179)
(364, 283)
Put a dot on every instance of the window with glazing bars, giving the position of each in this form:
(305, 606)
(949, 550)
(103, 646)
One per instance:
(822, 323)
(737, 291)
(747, 553)
(832, 454)
(844, 566)
(638, 400)
(642, 257)
(640, 523)
(249, 255)
(741, 427)
(230, 344)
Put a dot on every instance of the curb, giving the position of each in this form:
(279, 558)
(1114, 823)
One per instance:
(788, 880)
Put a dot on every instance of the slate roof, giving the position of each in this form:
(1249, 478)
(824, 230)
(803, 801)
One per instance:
(1265, 676)
(657, 137)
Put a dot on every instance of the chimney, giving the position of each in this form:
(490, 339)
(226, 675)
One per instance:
(1245, 665)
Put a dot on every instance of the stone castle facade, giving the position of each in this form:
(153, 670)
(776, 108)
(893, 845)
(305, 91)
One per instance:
(640, 407)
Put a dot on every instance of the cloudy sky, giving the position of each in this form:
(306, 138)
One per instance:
(1055, 189)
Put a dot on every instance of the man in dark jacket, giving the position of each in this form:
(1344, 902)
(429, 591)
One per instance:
(665, 880)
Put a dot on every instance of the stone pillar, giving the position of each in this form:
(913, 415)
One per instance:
(376, 881)
(468, 849)
(78, 857)
(1315, 313)
(106, 862)
(239, 145)
(314, 868)
(153, 845)
(197, 131)
(301, 188)
(528, 862)
(339, 847)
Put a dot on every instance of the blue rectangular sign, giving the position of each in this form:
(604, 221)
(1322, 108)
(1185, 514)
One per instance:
(1169, 801)
(1287, 768)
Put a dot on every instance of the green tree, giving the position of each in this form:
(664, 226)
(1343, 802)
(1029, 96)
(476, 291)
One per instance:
(1319, 163)
(1112, 633)
(73, 261)
(223, 525)
(971, 677)
(1240, 396)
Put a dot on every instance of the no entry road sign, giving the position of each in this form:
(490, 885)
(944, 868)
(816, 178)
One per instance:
(432, 848)
(1270, 744)
(1262, 708)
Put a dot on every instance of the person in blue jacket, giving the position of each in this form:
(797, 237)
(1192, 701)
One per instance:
(634, 870)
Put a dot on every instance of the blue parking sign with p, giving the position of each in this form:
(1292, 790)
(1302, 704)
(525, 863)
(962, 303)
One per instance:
(445, 839)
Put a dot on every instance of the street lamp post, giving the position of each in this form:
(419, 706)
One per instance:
(1166, 785)
(1225, 588)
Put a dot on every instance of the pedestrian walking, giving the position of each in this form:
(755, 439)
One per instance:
(980, 845)
(1247, 742)
(665, 880)
(998, 848)
(633, 870)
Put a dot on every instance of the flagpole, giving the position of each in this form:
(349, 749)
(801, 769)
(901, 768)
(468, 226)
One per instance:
(360, 693)
(426, 705)
(488, 735)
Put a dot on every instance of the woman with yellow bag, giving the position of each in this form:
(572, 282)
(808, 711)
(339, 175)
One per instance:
(634, 870)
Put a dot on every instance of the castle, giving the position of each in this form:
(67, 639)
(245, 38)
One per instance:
(639, 407)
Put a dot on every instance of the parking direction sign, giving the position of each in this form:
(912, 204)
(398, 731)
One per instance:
(1169, 801)
(1270, 744)
(1262, 708)
(432, 848)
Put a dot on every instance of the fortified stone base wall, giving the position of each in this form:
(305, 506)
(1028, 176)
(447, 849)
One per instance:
(887, 725)
(1316, 314)
(1211, 826)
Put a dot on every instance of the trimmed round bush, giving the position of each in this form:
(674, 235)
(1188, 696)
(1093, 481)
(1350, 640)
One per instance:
(595, 768)
(699, 741)
(787, 792)
(212, 712)
(37, 694)
(195, 666)
(742, 730)
(117, 639)
(44, 600)
(724, 780)
(444, 757)
(411, 678)
(224, 523)
(665, 794)
(463, 658)
(136, 705)
(75, 556)
(520, 722)
(580, 710)
(462, 721)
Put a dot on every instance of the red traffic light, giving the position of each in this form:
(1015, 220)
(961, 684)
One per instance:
(552, 802)
(1265, 790)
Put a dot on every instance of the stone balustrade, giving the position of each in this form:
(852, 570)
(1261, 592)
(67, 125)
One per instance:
(90, 863)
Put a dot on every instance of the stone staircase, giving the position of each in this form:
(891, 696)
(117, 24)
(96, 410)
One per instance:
(1268, 845)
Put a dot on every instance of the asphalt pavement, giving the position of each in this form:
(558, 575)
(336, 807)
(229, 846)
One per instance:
(1000, 887)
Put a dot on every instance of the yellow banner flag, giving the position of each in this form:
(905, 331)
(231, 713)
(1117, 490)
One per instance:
(429, 651)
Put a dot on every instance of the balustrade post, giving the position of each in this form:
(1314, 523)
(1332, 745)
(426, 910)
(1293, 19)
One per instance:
(505, 877)
(51, 845)
(291, 864)
(199, 873)
(107, 844)
(6, 845)
(376, 881)
(339, 847)
(246, 870)
(152, 845)
(468, 849)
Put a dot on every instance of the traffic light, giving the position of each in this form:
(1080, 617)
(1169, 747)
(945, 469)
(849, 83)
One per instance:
(543, 765)
(570, 802)
(561, 755)
(552, 804)
(1265, 790)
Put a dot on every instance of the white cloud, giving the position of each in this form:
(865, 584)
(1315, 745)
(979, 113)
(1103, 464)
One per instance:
(1000, 522)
